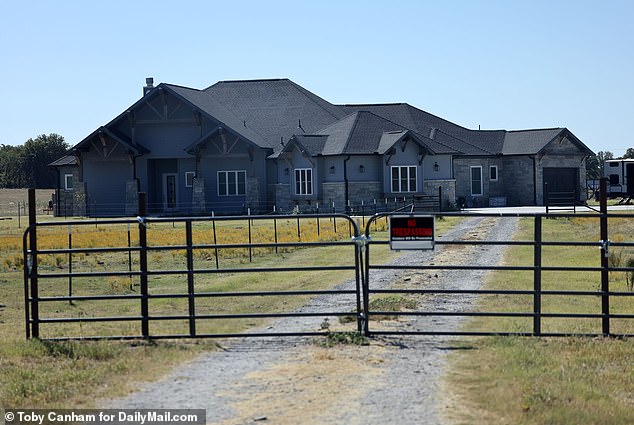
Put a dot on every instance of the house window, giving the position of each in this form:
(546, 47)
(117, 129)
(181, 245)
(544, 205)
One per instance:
(232, 183)
(303, 181)
(493, 173)
(189, 178)
(476, 181)
(68, 181)
(404, 179)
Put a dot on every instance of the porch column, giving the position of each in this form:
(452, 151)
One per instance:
(198, 195)
(131, 197)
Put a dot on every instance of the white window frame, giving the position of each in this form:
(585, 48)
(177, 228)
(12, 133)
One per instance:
(303, 181)
(407, 179)
(66, 179)
(189, 178)
(479, 167)
(491, 168)
(232, 185)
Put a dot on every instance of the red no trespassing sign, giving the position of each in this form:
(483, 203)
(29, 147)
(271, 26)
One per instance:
(412, 232)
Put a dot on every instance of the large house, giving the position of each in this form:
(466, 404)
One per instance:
(271, 144)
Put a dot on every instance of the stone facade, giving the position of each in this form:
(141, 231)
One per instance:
(283, 197)
(517, 180)
(80, 199)
(132, 197)
(364, 191)
(253, 192)
(448, 188)
(520, 178)
(333, 192)
(198, 195)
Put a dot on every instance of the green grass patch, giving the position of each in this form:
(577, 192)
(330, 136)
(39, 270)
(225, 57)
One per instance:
(344, 338)
(390, 303)
(526, 380)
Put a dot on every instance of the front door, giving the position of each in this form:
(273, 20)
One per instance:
(170, 191)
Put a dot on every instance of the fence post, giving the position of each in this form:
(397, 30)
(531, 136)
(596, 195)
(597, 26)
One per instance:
(605, 270)
(145, 328)
(440, 198)
(213, 225)
(129, 253)
(250, 248)
(35, 312)
(546, 196)
(275, 230)
(190, 278)
(537, 277)
(70, 263)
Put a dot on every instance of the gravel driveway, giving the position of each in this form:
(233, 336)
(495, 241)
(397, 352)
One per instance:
(393, 380)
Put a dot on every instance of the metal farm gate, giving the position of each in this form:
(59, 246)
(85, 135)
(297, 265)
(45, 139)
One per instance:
(158, 278)
(163, 278)
(433, 305)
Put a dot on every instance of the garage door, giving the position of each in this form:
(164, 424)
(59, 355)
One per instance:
(562, 181)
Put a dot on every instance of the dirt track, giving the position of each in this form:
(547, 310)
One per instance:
(295, 380)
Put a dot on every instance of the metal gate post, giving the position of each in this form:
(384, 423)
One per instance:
(366, 287)
(605, 271)
(145, 328)
(32, 267)
(358, 272)
(190, 278)
(537, 277)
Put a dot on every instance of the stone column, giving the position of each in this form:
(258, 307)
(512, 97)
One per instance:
(131, 197)
(198, 195)
(80, 199)
(253, 193)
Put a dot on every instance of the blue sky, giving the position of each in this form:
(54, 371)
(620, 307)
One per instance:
(70, 66)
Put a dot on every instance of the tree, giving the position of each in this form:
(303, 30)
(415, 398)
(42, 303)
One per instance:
(629, 153)
(40, 152)
(12, 173)
(27, 165)
(594, 164)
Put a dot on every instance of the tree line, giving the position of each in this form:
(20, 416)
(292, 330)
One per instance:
(26, 165)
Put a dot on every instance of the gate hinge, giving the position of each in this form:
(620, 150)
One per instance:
(605, 246)
(361, 241)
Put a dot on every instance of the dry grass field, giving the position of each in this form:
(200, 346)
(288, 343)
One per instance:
(10, 199)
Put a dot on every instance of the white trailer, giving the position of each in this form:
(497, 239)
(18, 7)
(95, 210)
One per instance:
(620, 174)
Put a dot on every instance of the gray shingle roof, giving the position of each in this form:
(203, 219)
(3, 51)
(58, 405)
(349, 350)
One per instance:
(523, 142)
(265, 112)
(275, 108)
(364, 132)
(209, 105)
(64, 161)
(458, 138)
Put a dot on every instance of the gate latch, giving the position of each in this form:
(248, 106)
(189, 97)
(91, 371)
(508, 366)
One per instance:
(605, 246)
(361, 241)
